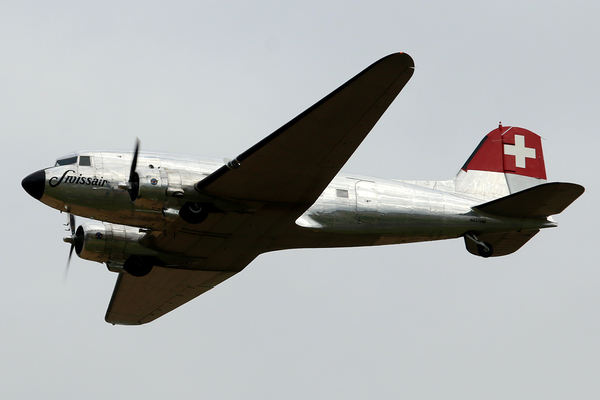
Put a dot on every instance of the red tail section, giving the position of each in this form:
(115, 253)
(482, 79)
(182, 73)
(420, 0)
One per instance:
(507, 160)
(509, 150)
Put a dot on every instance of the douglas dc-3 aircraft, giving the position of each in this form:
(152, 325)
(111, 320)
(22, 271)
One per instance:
(173, 227)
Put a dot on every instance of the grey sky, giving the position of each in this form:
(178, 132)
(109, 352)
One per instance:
(419, 321)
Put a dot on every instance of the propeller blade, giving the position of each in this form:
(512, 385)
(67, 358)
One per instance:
(72, 239)
(72, 223)
(134, 179)
(68, 263)
(135, 157)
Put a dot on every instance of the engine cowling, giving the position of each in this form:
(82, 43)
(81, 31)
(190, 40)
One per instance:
(103, 242)
(158, 186)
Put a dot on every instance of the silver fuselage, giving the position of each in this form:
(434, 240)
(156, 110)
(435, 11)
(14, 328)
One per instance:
(352, 211)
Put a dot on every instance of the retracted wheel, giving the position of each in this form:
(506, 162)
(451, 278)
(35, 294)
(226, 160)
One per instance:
(193, 213)
(137, 266)
(485, 252)
(484, 249)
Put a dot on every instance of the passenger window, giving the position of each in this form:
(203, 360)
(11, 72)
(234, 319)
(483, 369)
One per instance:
(66, 161)
(342, 193)
(85, 161)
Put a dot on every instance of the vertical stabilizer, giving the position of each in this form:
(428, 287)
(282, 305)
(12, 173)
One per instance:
(508, 160)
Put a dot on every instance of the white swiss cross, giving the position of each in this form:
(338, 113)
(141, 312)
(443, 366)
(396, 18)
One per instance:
(519, 151)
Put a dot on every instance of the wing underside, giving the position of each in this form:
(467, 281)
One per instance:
(138, 301)
(296, 162)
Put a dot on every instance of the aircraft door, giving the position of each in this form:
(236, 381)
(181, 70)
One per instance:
(97, 164)
(89, 171)
(89, 166)
(366, 202)
(85, 167)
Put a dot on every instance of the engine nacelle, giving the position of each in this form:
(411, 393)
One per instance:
(102, 241)
(157, 186)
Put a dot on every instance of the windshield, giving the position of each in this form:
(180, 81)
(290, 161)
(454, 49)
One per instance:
(66, 161)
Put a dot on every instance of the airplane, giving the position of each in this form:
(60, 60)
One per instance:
(173, 227)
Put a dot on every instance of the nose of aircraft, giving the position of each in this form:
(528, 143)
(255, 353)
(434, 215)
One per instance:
(34, 184)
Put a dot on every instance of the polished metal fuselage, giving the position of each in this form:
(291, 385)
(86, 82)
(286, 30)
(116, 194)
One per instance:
(352, 211)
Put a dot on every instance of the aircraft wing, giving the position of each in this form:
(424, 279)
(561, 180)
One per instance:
(222, 246)
(138, 301)
(296, 162)
(281, 176)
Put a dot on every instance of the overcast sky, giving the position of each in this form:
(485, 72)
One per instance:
(211, 78)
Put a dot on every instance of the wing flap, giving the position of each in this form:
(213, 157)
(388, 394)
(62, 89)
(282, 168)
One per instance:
(539, 201)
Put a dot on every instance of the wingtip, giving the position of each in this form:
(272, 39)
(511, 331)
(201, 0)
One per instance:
(404, 56)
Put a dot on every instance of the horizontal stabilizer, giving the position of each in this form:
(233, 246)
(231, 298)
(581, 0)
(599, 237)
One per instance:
(502, 243)
(539, 201)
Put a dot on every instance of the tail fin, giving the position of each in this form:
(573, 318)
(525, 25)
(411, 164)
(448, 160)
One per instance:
(508, 160)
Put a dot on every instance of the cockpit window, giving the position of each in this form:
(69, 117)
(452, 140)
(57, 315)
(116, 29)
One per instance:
(85, 161)
(66, 161)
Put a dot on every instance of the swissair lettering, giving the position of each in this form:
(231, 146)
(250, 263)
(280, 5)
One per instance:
(83, 180)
